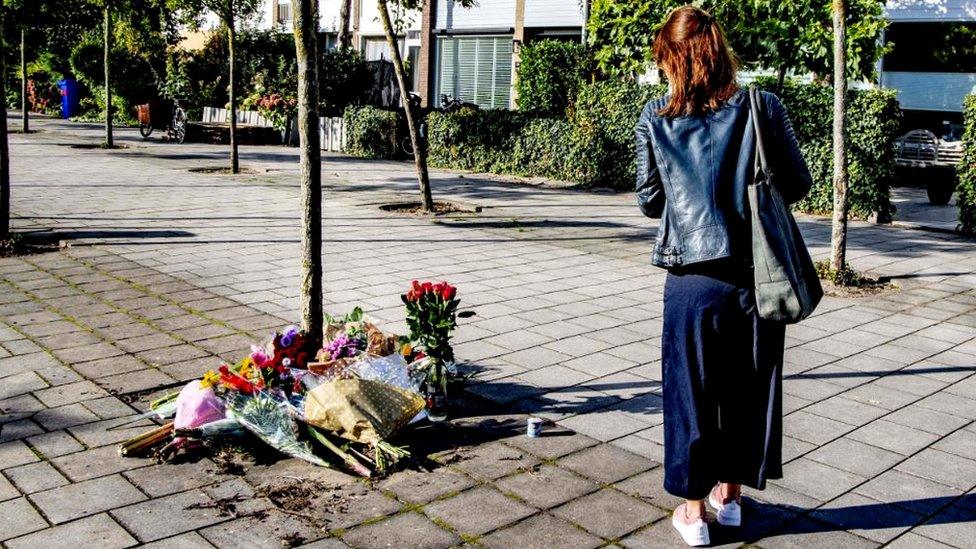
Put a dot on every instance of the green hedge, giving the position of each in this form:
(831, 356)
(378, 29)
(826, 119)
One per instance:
(372, 132)
(873, 120)
(595, 146)
(550, 74)
(967, 171)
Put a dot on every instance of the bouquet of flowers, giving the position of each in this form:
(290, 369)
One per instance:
(432, 317)
(356, 388)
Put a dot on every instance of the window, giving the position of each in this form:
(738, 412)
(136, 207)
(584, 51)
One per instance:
(284, 13)
(476, 69)
(931, 47)
(375, 49)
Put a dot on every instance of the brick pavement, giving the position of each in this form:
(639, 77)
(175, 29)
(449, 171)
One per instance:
(185, 267)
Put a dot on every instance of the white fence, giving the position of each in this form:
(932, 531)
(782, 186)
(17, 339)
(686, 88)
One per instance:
(332, 134)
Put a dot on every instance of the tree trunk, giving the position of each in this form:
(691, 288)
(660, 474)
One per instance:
(345, 36)
(4, 152)
(23, 80)
(419, 150)
(109, 141)
(306, 27)
(838, 237)
(235, 166)
(780, 78)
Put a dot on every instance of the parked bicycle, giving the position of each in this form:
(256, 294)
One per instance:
(448, 104)
(175, 126)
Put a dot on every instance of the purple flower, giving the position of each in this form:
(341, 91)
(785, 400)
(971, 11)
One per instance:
(343, 346)
(288, 337)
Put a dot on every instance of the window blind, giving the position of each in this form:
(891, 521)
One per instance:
(477, 69)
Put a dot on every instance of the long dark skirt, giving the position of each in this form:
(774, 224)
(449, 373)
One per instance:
(722, 377)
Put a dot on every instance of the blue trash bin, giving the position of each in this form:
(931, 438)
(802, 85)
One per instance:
(70, 97)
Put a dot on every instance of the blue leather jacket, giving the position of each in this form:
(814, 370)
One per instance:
(692, 171)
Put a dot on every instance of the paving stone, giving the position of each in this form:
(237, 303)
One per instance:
(68, 340)
(70, 393)
(19, 384)
(169, 515)
(108, 408)
(88, 353)
(867, 518)
(94, 531)
(97, 462)
(949, 469)
(35, 477)
(189, 540)
(23, 363)
(858, 458)
(816, 480)
(272, 529)
(609, 513)
(109, 366)
(893, 437)
(606, 464)
(813, 429)
(492, 461)
(953, 526)
(15, 453)
(169, 478)
(135, 381)
(546, 486)
(604, 425)
(58, 374)
(927, 420)
(807, 534)
(541, 532)
(851, 412)
(86, 498)
(554, 442)
(18, 429)
(7, 490)
(54, 444)
(422, 487)
(358, 505)
(63, 417)
(18, 517)
(649, 487)
(478, 511)
(111, 431)
(404, 530)
(912, 540)
(908, 491)
(961, 443)
(172, 355)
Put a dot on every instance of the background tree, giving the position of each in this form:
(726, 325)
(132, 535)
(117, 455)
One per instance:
(419, 149)
(306, 24)
(230, 13)
(4, 147)
(838, 234)
(344, 38)
(783, 35)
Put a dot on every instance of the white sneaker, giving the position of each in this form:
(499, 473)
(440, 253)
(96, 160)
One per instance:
(694, 534)
(727, 514)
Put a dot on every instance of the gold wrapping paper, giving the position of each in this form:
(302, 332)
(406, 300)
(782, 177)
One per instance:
(361, 410)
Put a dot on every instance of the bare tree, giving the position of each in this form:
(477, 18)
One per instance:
(305, 29)
(107, 7)
(230, 13)
(4, 148)
(25, 107)
(345, 28)
(419, 150)
(838, 237)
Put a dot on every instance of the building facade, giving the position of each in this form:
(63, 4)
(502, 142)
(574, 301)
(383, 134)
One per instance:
(932, 64)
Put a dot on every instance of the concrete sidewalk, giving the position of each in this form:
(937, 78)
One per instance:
(171, 269)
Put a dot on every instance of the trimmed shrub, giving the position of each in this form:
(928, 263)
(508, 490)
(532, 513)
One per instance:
(595, 146)
(603, 123)
(372, 132)
(344, 79)
(873, 119)
(966, 171)
(550, 74)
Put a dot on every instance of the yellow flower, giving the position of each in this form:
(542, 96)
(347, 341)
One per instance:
(210, 380)
(406, 350)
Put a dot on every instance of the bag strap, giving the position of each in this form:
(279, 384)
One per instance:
(755, 104)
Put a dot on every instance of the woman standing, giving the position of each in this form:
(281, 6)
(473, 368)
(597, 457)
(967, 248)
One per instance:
(722, 363)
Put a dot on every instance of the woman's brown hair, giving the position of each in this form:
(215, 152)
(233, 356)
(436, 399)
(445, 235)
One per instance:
(692, 50)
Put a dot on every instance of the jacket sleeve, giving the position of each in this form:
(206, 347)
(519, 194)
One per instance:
(790, 169)
(650, 190)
